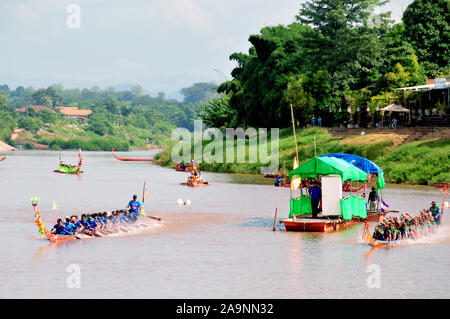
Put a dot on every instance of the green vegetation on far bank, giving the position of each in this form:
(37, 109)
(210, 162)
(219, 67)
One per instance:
(421, 162)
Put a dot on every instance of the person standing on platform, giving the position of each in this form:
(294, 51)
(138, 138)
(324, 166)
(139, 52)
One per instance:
(316, 196)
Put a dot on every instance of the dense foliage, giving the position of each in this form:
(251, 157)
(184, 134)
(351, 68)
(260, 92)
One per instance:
(339, 55)
(131, 116)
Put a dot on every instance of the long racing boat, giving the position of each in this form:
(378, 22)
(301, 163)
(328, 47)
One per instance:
(131, 159)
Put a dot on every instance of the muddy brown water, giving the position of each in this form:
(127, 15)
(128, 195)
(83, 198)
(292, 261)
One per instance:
(222, 246)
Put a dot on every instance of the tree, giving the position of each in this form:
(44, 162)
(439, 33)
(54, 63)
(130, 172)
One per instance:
(30, 123)
(347, 42)
(302, 102)
(199, 92)
(49, 97)
(99, 124)
(427, 28)
(218, 113)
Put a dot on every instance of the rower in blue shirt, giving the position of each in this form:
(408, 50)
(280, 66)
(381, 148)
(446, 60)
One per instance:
(134, 206)
(58, 228)
(69, 227)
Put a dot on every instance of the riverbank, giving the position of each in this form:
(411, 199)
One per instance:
(422, 162)
(6, 148)
(70, 136)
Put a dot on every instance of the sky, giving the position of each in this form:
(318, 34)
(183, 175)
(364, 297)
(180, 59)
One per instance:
(163, 45)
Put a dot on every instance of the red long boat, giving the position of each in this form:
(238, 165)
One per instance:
(3, 158)
(131, 159)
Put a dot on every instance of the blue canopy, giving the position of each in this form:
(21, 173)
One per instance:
(362, 163)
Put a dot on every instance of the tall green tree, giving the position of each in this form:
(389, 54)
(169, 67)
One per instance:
(347, 42)
(427, 28)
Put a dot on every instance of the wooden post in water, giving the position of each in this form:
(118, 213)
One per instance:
(275, 220)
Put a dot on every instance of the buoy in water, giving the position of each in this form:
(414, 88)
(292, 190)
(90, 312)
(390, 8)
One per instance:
(54, 205)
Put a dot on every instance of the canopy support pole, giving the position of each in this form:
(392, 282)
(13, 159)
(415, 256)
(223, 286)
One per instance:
(293, 127)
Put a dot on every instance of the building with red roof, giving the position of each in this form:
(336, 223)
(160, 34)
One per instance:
(37, 108)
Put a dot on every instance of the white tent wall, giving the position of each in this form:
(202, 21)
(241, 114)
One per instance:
(331, 195)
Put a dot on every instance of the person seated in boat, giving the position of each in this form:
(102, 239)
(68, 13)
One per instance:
(58, 228)
(278, 181)
(134, 206)
(93, 224)
(288, 181)
(78, 224)
(436, 213)
(346, 187)
(316, 196)
(69, 228)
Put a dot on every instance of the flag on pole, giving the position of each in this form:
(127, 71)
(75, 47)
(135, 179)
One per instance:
(295, 183)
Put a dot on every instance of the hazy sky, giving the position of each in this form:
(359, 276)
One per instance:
(163, 45)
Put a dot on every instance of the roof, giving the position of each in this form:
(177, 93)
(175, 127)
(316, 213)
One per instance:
(37, 108)
(329, 166)
(362, 163)
(394, 108)
(427, 87)
(73, 111)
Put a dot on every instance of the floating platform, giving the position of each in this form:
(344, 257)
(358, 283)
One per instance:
(319, 224)
(195, 184)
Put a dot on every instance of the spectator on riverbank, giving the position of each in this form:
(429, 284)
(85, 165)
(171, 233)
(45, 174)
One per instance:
(313, 121)
(319, 121)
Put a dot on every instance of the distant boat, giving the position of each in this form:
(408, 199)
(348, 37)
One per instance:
(131, 159)
(3, 158)
(70, 169)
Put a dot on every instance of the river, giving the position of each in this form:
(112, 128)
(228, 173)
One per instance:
(222, 246)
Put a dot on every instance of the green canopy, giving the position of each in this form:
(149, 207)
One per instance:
(329, 166)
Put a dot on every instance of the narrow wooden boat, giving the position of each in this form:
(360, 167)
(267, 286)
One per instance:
(70, 169)
(441, 185)
(62, 238)
(319, 224)
(367, 237)
(2, 159)
(131, 159)
(195, 184)
(374, 216)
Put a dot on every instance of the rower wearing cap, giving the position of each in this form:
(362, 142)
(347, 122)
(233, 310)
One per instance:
(435, 212)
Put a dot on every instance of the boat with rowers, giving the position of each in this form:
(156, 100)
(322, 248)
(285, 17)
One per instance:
(131, 159)
(104, 224)
(195, 178)
(395, 230)
(70, 169)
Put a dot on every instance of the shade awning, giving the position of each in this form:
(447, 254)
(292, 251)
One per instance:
(362, 163)
(329, 166)
(394, 108)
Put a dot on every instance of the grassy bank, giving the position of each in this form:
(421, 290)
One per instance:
(422, 162)
(61, 136)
